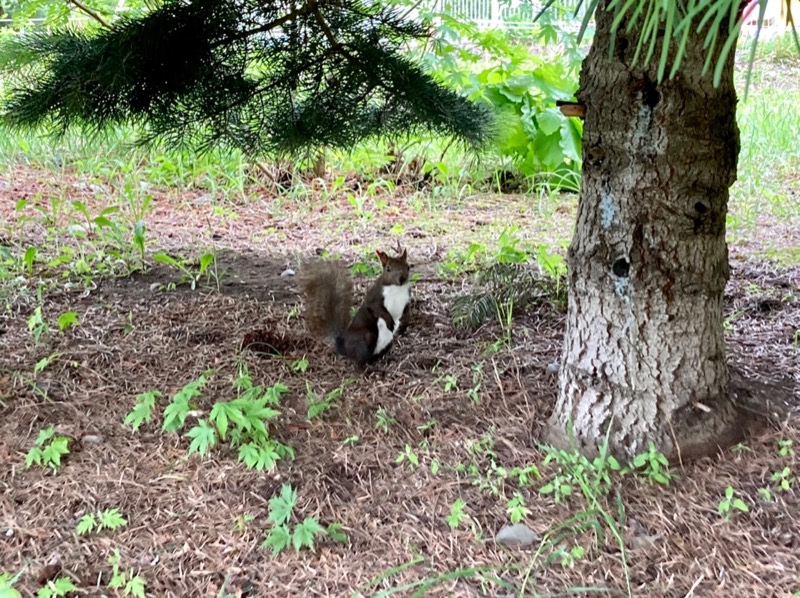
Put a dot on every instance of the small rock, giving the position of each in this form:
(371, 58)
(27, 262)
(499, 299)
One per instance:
(553, 368)
(144, 185)
(155, 287)
(518, 534)
(77, 230)
(205, 198)
(92, 439)
(50, 571)
(10, 532)
(287, 272)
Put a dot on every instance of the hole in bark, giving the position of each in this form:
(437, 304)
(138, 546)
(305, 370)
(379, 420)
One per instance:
(621, 267)
(650, 93)
(701, 207)
(595, 155)
(622, 46)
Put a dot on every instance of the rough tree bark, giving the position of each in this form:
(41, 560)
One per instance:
(644, 351)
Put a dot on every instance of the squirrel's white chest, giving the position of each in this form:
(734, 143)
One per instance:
(385, 337)
(395, 299)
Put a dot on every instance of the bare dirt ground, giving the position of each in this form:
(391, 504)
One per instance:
(189, 529)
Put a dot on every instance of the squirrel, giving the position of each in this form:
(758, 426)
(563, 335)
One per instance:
(328, 292)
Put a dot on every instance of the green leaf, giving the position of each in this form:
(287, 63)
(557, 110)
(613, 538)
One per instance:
(53, 452)
(62, 586)
(29, 258)
(317, 408)
(337, 535)
(112, 519)
(219, 415)
(739, 504)
(44, 362)
(45, 435)
(86, 524)
(174, 416)
(167, 259)
(7, 589)
(203, 438)
(135, 587)
(176, 412)
(456, 515)
(205, 261)
(548, 150)
(34, 457)
(280, 507)
(571, 139)
(103, 222)
(67, 319)
(305, 533)
(278, 539)
(143, 410)
(550, 120)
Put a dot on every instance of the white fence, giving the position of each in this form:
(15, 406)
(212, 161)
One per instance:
(509, 13)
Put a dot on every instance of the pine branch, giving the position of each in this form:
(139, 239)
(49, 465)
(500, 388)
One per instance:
(263, 77)
(93, 14)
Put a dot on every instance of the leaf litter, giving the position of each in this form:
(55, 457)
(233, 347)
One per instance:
(196, 525)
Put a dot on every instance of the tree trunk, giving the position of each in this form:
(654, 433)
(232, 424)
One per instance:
(644, 351)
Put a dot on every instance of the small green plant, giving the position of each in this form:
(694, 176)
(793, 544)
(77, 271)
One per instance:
(37, 325)
(67, 320)
(48, 449)
(300, 365)
(450, 383)
(176, 412)
(318, 405)
(96, 522)
(477, 382)
(29, 258)
(783, 479)
(653, 466)
(730, 502)
(241, 522)
(242, 422)
(568, 558)
(62, 586)
(383, 421)
(129, 325)
(46, 362)
(130, 583)
(7, 589)
(425, 427)
(457, 514)
(207, 266)
(741, 448)
(303, 534)
(367, 268)
(595, 479)
(409, 455)
(766, 494)
(574, 469)
(351, 440)
(516, 509)
(143, 409)
(785, 449)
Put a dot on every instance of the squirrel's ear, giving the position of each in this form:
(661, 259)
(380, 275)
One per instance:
(405, 254)
(383, 257)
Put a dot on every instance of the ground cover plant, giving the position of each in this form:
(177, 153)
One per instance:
(172, 430)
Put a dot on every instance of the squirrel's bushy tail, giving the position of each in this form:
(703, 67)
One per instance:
(328, 293)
